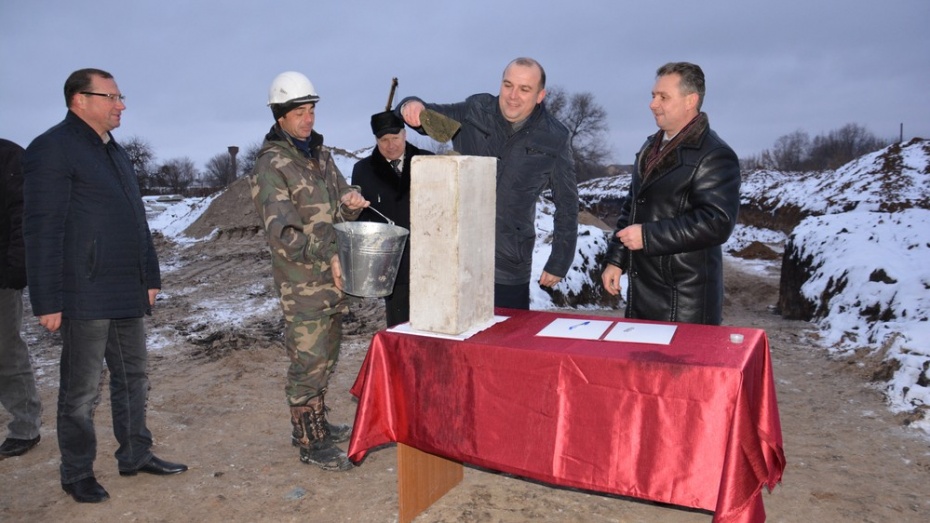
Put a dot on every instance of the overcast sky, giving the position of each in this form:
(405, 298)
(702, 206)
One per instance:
(196, 73)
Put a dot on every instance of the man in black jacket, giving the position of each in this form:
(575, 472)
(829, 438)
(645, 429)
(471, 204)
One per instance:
(17, 381)
(533, 152)
(384, 177)
(682, 206)
(93, 274)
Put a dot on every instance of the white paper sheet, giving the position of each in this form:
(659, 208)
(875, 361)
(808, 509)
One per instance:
(641, 333)
(406, 329)
(575, 328)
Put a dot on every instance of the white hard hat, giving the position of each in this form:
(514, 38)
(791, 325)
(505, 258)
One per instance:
(291, 88)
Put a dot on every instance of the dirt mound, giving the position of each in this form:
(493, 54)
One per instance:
(231, 214)
(756, 251)
(586, 218)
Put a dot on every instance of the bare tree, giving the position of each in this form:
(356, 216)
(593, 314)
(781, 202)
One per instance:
(556, 101)
(219, 171)
(141, 155)
(587, 125)
(797, 152)
(842, 146)
(752, 163)
(177, 174)
(248, 159)
(790, 152)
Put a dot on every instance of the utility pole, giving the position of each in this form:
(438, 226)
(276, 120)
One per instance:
(233, 151)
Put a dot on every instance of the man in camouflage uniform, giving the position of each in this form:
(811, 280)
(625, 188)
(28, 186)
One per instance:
(299, 194)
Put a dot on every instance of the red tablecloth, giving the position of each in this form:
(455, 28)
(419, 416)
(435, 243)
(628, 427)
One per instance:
(694, 423)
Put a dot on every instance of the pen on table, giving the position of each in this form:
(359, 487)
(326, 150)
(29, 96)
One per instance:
(578, 325)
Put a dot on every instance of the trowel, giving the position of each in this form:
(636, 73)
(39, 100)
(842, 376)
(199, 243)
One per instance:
(437, 126)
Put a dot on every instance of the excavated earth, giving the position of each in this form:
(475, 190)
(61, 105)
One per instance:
(217, 404)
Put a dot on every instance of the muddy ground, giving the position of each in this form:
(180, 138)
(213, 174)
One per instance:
(217, 404)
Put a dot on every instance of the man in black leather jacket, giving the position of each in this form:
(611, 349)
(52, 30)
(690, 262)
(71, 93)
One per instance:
(682, 206)
(533, 150)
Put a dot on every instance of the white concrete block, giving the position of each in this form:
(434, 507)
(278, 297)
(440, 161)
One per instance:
(452, 210)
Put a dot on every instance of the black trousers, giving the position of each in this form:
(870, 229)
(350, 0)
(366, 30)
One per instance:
(397, 305)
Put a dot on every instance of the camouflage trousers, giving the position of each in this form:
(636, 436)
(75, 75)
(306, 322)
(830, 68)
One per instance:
(313, 348)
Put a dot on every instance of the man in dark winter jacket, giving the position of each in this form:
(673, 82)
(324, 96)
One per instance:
(93, 274)
(384, 177)
(18, 392)
(682, 206)
(533, 152)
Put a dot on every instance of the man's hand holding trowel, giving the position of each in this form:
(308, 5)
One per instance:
(411, 112)
(437, 126)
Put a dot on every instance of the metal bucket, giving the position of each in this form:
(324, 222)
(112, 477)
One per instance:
(370, 254)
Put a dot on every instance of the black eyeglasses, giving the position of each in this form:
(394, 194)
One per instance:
(112, 97)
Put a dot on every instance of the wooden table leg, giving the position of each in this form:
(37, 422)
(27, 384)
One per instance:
(422, 478)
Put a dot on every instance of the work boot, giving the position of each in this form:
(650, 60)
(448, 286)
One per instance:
(337, 432)
(311, 435)
(298, 434)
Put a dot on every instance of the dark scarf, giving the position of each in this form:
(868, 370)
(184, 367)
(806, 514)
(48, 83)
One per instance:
(303, 146)
(308, 147)
(659, 155)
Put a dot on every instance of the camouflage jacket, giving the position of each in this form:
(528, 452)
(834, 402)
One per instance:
(297, 199)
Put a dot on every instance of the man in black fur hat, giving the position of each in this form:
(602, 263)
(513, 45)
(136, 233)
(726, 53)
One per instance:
(385, 180)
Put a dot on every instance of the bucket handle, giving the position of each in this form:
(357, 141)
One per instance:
(390, 221)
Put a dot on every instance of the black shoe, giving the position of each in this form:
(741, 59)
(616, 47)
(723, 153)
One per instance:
(17, 447)
(156, 466)
(86, 490)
